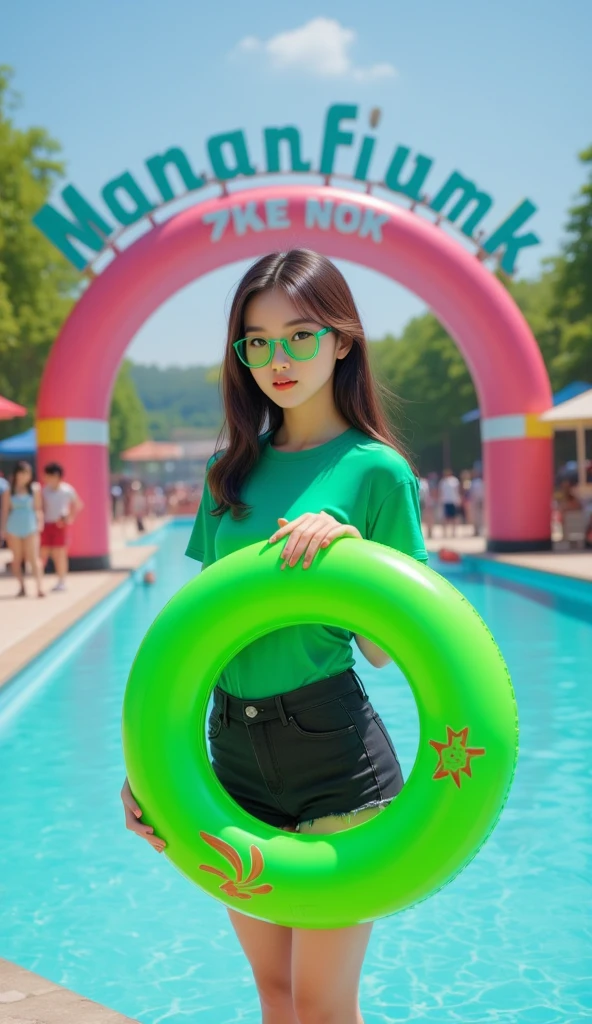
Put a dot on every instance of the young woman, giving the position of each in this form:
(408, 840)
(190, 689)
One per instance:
(294, 738)
(22, 522)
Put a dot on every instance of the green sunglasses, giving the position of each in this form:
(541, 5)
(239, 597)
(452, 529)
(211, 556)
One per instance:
(257, 352)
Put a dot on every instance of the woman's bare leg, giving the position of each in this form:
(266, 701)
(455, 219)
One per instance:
(268, 948)
(327, 963)
(31, 554)
(305, 976)
(16, 546)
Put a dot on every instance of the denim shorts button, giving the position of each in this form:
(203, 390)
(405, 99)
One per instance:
(251, 711)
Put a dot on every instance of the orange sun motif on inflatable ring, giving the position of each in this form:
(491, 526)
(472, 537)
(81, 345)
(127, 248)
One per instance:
(454, 755)
(241, 889)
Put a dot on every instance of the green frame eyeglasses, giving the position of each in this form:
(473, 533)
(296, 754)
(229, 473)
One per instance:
(239, 347)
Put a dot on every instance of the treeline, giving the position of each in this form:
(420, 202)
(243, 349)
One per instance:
(422, 366)
(178, 400)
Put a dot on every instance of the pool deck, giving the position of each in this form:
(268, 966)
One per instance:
(27, 998)
(573, 564)
(29, 625)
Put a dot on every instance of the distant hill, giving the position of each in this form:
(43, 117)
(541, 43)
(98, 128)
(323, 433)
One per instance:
(179, 400)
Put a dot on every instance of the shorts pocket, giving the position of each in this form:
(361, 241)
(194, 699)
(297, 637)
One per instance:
(321, 735)
(214, 724)
(323, 722)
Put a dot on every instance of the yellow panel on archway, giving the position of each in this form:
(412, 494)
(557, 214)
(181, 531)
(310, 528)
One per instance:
(51, 431)
(535, 427)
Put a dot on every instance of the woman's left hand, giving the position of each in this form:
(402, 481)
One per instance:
(308, 533)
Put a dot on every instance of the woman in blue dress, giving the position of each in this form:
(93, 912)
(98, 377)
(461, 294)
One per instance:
(21, 523)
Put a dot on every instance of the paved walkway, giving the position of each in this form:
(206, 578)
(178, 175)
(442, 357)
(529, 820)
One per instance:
(576, 564)
(28, 625)
(27, 998)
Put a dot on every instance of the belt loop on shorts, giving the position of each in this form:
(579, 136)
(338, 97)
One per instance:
(360, 685)
(280, 709)
(225, 709)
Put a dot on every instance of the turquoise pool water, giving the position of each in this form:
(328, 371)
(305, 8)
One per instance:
(86, 904)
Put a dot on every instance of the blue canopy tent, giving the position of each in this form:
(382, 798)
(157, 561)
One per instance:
(19, 446)
(577, 387)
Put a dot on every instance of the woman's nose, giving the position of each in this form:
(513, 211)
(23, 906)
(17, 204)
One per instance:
(279, 357)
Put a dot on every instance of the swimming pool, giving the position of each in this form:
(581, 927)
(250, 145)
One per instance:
(87, 905)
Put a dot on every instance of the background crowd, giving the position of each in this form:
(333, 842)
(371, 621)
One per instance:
(35, 516)
(35, 521)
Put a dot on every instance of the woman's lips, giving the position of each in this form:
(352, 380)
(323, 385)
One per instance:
(284, 384)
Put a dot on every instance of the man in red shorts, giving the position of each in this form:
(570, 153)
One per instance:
(61, 505)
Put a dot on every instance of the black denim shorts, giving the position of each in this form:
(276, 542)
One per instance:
(317, 751)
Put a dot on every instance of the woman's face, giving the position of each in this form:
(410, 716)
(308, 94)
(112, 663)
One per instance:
(271, 314)
(23, 477)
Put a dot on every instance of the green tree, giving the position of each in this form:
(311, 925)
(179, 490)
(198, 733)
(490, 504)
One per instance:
(573, 292)
(425, 367)
(128, 423)
(536, 300)
(179, 397)
(574, 286)
(37, 284)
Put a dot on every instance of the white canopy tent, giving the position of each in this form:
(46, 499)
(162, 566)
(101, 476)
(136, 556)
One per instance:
(576, 414)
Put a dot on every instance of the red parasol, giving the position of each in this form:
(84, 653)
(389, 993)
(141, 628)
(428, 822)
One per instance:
(9, 410)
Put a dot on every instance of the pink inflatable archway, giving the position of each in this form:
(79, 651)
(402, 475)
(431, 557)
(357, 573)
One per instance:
(500, 351)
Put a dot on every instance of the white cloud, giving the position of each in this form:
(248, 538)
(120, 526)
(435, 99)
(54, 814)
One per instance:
(249, 43)
(320, 48)
(372, 73)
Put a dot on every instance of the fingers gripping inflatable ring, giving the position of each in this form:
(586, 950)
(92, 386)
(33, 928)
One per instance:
(454, 794)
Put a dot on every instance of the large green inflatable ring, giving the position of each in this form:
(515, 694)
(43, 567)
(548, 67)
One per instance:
(452, 798)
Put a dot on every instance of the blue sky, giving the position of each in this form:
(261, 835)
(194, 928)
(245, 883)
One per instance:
(500, 92)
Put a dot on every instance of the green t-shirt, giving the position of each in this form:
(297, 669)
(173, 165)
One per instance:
(356, 479)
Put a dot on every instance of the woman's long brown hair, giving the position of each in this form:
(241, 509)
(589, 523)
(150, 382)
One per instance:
(317, 289)
(21, 467)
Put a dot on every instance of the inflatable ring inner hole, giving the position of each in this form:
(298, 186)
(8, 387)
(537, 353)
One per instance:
(392, 700)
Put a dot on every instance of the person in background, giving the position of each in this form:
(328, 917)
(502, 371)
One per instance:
(434, 482)
(573, 526)
(116, 501)
(449, 495)
(21, 520)
(159, 505)
(138, 505)
(476, 497)
(464, 504)
(568, 501)
(4, 486)
(426, 505)
(61, 505)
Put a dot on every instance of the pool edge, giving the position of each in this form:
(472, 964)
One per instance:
(20, 987)
(556, 582)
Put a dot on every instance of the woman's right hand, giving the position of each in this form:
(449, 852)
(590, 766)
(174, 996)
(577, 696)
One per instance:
(133, 813)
